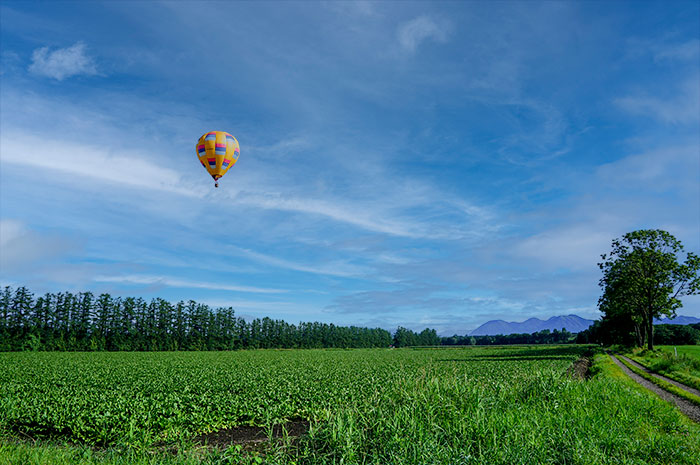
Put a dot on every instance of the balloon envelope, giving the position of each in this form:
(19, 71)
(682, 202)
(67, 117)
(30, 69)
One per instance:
(217, 152)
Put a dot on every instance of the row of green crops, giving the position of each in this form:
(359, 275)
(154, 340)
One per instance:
(448, 406)
(141, 398)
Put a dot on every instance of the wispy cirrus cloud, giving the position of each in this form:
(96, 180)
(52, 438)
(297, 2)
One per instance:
(413, 33)
(402, 296)
(371, 197)
(22, 248)
(667, 168)
(63, 63)
(572, 247)
(664, 50)
(132, 169)
(684, 51)
(249, 309)
(334, 268)
(125, 168)
(361, 8)
(353, 215)
(680, 108)
(183, 283)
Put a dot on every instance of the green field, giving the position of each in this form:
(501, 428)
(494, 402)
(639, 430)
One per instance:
(375, 406)
(693, 351)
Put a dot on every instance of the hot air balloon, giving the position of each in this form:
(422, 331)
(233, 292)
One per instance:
(217, 152)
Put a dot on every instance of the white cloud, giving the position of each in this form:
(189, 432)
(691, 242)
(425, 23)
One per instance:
(360, 8)
(21, 247)
(685, 51)
(63, 62)
(392, 258)
(368, 219)
(183, 283)
(681, 108)
(412, 33)
(126, 168)
(335, 268)
(280, 149)
(133, 169)
(9, 231)
(672, 168)
(656, 188)
(572, 247)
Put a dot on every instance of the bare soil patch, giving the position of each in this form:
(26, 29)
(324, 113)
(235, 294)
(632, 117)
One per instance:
(251, 436)
(580, 369)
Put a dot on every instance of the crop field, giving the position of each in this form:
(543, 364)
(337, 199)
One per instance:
(515, 405)
(693, 351)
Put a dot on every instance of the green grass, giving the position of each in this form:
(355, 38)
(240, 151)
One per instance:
(684, 368)
(693, 351)
(18, 453)
(431, 406)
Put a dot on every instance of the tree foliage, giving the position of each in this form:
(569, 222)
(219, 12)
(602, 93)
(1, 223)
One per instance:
(406, 338)
(643, 279)
(676, 335)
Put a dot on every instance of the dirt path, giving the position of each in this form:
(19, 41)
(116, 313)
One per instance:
(252, 436)
(656, 375)
(580, 369)
(689, 409)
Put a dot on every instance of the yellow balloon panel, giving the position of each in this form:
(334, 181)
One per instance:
(217, 152)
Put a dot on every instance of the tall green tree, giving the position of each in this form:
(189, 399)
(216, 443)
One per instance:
(644, 278)
(5, 300)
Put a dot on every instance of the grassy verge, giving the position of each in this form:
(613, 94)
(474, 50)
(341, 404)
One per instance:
(55, 453)
(662, 384)
(684, 368)
(16, 453)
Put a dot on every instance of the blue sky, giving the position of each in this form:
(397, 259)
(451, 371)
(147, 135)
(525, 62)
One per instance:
(417, 164)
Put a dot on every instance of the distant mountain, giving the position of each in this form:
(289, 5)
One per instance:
(572, 323)
(679, 320)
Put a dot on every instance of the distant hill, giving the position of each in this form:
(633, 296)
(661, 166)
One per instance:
(572, 323)
(679, 320)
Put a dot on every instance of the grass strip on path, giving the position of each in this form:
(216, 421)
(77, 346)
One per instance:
(680, 384)
(661, 383)
(683, 407)
(677, 376)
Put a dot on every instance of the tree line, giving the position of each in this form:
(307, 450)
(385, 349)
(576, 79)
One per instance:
(540, 337)
(85, 322)
(666, 334)
(82, 321)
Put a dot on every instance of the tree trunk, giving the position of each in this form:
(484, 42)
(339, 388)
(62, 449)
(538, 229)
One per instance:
(650, 345)
(640, 336)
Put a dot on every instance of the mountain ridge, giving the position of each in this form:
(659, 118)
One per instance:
(572, 323)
